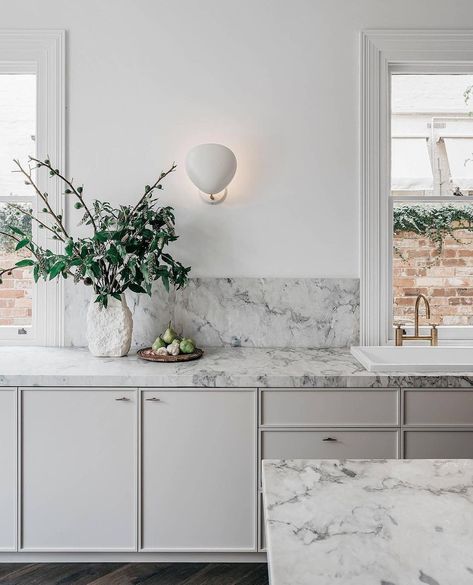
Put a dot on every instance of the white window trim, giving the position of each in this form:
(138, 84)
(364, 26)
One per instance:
(43, 51)
(382, 53)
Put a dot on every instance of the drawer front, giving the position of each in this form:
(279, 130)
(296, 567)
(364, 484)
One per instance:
(330, 408)
(438, 445)
(329, 445)
(441, 407)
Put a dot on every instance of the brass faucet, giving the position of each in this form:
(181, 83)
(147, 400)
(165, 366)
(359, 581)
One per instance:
(401, 334)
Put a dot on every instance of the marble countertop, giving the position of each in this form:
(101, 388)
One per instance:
(220, 367)
(361, 522)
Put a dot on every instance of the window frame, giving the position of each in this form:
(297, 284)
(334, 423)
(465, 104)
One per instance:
(384, 52)
(42, 52)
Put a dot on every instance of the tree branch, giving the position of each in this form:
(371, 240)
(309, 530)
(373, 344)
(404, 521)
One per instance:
(151, 189)
(41, 195)
(28, 247)
(36, 219)
(71, 187)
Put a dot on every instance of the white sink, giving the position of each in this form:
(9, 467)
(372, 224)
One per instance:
(415, 358)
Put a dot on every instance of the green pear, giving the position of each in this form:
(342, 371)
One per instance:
(158, 343)
(169, 335)
(187, 345)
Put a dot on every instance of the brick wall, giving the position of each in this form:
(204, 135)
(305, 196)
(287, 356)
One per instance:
(445, 279)
(15, 294)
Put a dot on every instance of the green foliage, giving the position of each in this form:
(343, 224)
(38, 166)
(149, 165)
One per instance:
(435, 222)
(9, 216)
(126, 250)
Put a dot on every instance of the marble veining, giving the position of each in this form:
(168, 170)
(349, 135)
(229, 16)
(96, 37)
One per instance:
(369, 522)
(246, 312)
(270, 312)
(220, 367)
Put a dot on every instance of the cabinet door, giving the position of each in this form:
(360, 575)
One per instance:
(8, 469)
(78, 471)
(199, 470)
(440, 444)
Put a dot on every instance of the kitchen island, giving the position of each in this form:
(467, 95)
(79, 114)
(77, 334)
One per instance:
(369, 522)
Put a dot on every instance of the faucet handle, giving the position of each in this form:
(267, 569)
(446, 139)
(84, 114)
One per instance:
(400, 332)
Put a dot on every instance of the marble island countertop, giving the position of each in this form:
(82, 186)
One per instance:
(369, 522)
(220, 367)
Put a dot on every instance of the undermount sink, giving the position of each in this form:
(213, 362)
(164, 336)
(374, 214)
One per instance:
(414, 358)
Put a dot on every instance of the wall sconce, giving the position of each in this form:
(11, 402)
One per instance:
(211, 167)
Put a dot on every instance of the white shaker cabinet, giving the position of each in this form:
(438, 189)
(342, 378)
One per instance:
(198, 470)
(7, 469)
(78, 469)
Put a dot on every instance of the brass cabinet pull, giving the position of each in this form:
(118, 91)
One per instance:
(330, 439)
(122, 399)
(153, 399)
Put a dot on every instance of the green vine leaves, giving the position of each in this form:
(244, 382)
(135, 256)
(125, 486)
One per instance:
(435, 222)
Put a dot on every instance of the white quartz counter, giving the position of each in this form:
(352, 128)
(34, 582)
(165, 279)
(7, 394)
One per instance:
(220, 367)
(362, 522)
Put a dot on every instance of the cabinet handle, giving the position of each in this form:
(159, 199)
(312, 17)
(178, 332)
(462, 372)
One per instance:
(330, 439)
(153, 399)
(122, 399)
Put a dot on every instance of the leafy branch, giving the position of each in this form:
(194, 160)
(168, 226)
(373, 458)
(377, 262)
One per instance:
(124, 252)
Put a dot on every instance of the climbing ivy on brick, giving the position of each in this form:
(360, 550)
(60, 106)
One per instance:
(435, 222)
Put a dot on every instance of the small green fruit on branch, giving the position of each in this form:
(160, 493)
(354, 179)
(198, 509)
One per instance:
(28, 174)
(77, 191)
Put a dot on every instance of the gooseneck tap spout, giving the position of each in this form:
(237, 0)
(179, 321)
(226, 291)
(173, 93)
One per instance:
(427, 312)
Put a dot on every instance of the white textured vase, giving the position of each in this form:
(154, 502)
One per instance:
(109, 329)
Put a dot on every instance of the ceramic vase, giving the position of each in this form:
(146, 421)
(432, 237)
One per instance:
(109, 329)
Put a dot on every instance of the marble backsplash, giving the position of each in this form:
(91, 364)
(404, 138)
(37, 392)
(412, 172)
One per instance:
(251, 312)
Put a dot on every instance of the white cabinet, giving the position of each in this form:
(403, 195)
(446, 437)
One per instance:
(78, 469)
(199, 470)
(7, 469)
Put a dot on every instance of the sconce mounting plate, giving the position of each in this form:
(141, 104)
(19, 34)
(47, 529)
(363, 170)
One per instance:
(214, 199)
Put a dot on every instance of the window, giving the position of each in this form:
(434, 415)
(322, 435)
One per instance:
(431, 182)
(416, 181)
(18, 135)
(31, 124)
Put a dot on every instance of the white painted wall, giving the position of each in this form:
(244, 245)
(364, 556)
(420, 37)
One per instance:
(276, 80)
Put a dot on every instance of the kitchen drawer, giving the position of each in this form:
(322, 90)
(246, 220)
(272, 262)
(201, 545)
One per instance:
(438, 445)
(298, 444)
(329, 408)
(438, 407)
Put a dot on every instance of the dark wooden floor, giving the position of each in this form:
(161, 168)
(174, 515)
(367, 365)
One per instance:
(134, 574)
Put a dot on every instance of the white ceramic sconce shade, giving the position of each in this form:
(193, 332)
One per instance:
(211, 167)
